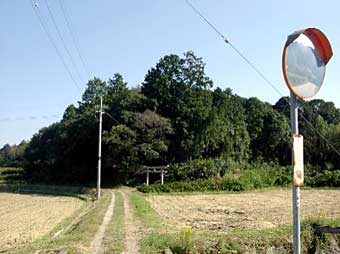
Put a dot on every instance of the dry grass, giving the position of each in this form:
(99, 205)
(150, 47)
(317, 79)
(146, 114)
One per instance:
(245, 210)
(25, 218)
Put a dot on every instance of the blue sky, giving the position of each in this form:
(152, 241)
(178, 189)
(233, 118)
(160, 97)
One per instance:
(129, 37)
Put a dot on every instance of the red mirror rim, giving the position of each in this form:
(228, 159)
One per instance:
(320, 42)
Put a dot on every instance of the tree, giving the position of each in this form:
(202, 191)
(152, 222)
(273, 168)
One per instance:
(13, 156)
(333, 135)
(117, 85)
(327, 110)
(179, 88)
(227, 134)
(273, 144)
(255, 111)
(121, 141)
(283, 106)
(96, 88)
(154, 132)
(43, 152)
(142, 141)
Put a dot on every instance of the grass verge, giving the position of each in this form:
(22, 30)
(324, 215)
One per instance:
(144, 211)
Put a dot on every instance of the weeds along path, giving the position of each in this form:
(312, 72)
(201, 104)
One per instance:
(96, 244)
(133, 228)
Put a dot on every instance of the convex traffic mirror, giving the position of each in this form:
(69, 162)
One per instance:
(304, 60)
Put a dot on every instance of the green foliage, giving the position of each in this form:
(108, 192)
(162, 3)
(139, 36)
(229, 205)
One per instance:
(176, 118)
(121, 140)
(251, 177)
(324, 178)
(226, 134)
(95, 89)
(179, 85)
(198, 169)
(11, 175)
(269, 131)
(13, 156)
(248, 178)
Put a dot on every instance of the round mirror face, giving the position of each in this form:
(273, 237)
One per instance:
(304, 69)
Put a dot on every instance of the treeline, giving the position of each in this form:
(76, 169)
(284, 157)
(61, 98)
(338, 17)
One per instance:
(13, 156)
(174, 117)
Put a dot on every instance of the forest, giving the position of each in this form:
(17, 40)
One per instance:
(175, 117)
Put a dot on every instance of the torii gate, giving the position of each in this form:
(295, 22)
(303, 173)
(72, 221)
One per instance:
(155, 169)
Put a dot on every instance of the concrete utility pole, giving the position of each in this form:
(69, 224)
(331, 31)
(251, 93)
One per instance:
(147, 177)
(296, 190)
(99, 148)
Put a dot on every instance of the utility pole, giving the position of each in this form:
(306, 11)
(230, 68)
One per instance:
(99, 148)
(296, 189)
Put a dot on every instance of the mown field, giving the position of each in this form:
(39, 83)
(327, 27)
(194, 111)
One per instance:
(188, 223)
(25, 218)
(250, 222)
(250, 210)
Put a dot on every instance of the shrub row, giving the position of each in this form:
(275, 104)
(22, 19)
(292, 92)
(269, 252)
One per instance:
(325, 178)
(241, 181)
(246, 179)
(10, 175)
(199, 169)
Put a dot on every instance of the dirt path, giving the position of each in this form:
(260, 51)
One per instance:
(132, 227)
(96, 244)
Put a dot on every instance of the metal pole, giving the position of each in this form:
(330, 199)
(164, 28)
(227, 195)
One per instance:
(99, 148)
(147, 177)
(296, 190)
(162, 176)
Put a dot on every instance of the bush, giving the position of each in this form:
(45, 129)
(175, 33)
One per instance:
(9, 175)
(219, 175)
(198, 169)
(324, 179)
(247, 179)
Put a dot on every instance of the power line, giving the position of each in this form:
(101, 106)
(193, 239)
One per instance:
(73, 36)
(50, 38)
(24, 118)
(320, 135)
(112, 118)
(226, 40)
(116, 121)
(206, 20)
(50, 13)
(259, 73)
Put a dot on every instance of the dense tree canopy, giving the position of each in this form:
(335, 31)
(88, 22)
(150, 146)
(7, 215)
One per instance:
(175, 116)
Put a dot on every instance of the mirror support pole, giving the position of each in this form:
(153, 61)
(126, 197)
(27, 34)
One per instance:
(296, 190)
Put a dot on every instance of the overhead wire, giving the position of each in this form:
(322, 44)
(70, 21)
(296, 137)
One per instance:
(112, 118)
(260, 73)
(74, 37)
(50, 38)
(50, 13)
(22, 118)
